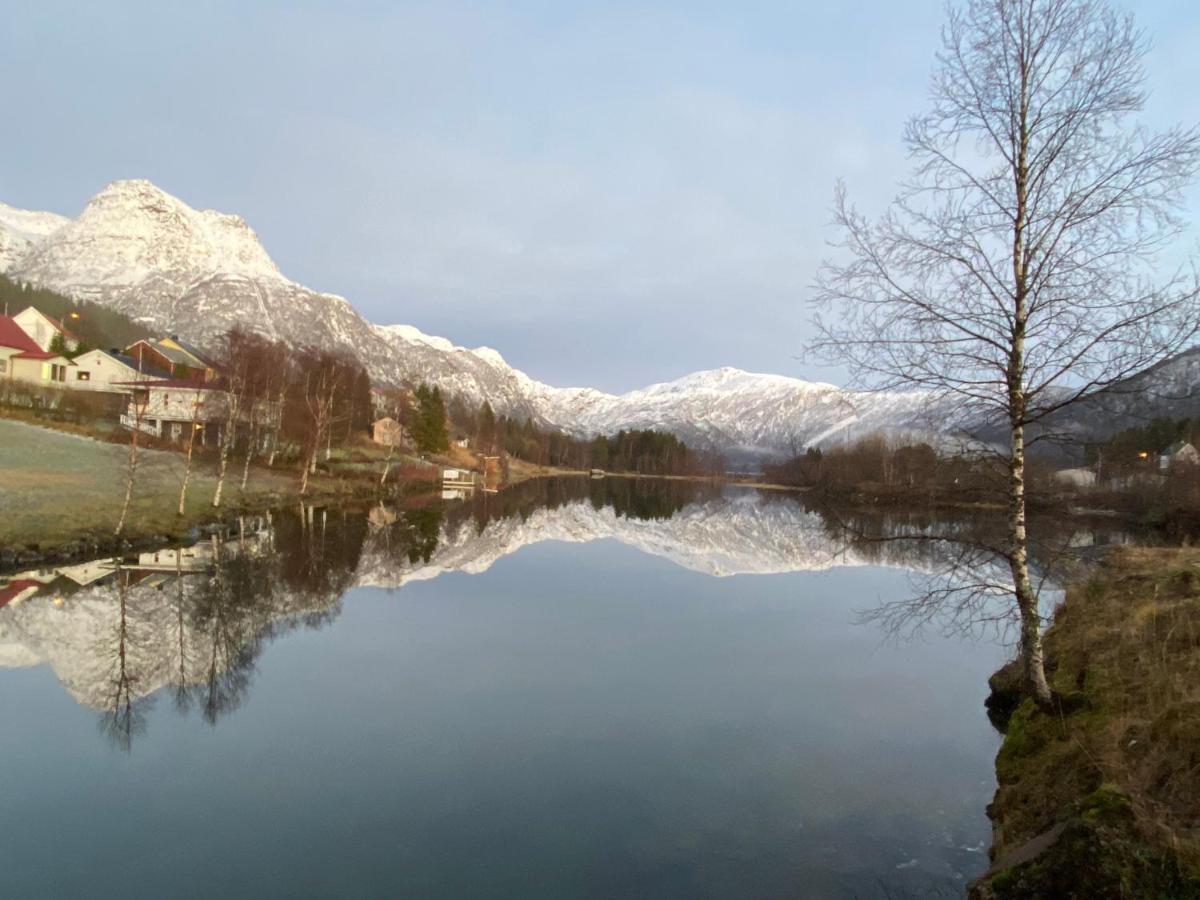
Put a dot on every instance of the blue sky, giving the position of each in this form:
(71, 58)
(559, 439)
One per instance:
(609, 193)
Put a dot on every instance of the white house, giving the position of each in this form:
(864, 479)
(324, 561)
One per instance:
(108, 370)
(42, 328)
(1179, 453)
(172, 408)
(21, 359)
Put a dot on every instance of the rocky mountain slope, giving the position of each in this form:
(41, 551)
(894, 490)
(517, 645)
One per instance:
(197, 273)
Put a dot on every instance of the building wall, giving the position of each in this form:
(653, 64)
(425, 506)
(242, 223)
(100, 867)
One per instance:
(179, 404)
(40, 371)
(101, 371)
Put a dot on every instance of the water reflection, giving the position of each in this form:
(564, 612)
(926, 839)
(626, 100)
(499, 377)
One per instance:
(637, 699)
(192, 621)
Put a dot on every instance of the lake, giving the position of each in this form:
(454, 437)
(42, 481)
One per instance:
(569, 689)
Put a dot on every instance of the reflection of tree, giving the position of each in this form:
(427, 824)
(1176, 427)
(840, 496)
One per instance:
(124, 713)
(230, 612)
(957, 562)
(420, 529)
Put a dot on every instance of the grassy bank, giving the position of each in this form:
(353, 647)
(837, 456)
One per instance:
(57, 488)
(1101, 797)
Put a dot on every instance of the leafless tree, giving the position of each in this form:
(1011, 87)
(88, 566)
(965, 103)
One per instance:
(1018, 270)
(138, 410)
(194, 426)
(323, 383)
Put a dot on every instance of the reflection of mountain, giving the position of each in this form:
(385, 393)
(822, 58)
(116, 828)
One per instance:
(195, 623)
(739, 533)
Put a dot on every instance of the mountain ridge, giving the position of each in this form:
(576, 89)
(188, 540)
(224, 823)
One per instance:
(198, 273)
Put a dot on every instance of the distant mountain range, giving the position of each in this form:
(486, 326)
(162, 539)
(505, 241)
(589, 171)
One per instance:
(197, 273)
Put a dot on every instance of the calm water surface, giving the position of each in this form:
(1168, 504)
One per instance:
(570, 690)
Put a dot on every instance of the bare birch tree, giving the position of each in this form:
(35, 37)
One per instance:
(1018, 271)
(133, 458)
(322, 385)
(193, 427)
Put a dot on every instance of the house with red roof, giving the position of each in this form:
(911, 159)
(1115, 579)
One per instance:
(44, 329)
(23, 359)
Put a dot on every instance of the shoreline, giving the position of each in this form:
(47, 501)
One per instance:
(1100, 797)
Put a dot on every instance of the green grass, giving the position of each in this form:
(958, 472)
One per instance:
(55, 487)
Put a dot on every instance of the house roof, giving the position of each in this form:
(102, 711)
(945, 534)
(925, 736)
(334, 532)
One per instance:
(170, 353)
(13, 336)
(192, 349)
(1176, 447)
(180, 354)
(17, 590)
(42, 354)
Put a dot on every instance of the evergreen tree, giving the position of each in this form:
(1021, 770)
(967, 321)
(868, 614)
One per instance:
(429, 429)
(485, 435)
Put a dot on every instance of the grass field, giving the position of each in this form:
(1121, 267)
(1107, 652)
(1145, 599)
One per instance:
(55, 486)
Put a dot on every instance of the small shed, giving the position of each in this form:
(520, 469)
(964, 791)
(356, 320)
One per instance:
(388, 432)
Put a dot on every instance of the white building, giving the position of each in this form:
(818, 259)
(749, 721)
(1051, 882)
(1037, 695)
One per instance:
(1180, 453)
(107, 370)
(42, 328)
(172, 408)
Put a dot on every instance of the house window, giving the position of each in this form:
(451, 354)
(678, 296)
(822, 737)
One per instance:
(83, 376)
(3, 365)
(57, 372)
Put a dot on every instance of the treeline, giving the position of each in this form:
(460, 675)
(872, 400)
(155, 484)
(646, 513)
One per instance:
(878, 465)
(1132, 449)
(645, 452)
(96, 327)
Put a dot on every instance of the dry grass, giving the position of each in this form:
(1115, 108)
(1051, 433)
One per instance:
(1120, 757)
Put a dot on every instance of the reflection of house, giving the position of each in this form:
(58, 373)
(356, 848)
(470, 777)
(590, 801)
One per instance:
(381, 516)
(1180, 453)
(17, 590)
(86, 573)
(172, 408)
(43, 329)
(196, 558)
(388, 431)
(100, 370)
(22, 359)
(1079, 478)
(181, 360)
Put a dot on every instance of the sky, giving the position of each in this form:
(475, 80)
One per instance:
(611, 194)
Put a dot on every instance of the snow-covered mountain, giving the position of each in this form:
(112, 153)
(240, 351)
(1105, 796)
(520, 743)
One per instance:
(197, 273)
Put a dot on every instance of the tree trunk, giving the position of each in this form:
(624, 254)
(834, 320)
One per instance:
(131, 472)
(221, 466)
(250, 445)
(187, 470)
(1032, 659)
(308, 467)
